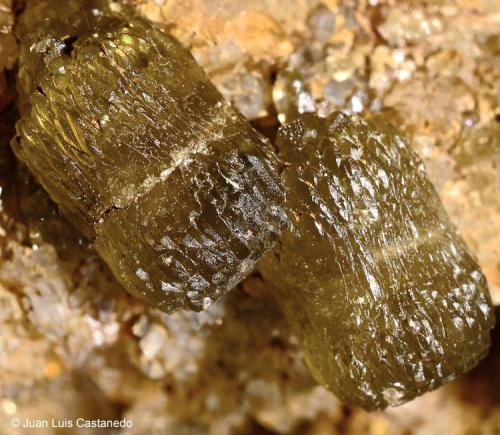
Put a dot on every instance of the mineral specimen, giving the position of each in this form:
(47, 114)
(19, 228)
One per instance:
(121, 126)
(240, 372)
(383, 294)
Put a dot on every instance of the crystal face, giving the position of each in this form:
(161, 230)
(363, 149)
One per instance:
(383, 294)
(140, 151)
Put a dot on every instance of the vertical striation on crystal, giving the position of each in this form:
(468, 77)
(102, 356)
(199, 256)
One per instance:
(122, 127)
(383, 294)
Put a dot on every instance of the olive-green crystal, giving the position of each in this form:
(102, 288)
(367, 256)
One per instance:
(122, 127)
(382, 293)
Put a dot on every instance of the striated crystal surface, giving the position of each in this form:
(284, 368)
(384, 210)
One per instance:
(383, 294)
(433, 64)
(124, 130)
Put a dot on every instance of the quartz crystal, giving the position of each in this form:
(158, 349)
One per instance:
(291, 97)
(122, 127)
(383, 294)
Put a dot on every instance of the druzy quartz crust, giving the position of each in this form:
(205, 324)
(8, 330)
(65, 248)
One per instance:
(121, 126)
(385, 297)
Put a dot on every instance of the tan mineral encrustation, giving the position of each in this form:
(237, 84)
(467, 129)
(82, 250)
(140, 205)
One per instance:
(74, 344)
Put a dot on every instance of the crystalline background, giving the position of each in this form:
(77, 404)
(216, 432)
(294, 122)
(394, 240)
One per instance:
(73, 344)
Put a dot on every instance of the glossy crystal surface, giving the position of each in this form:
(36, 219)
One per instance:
(140, 151)
(383, 294)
